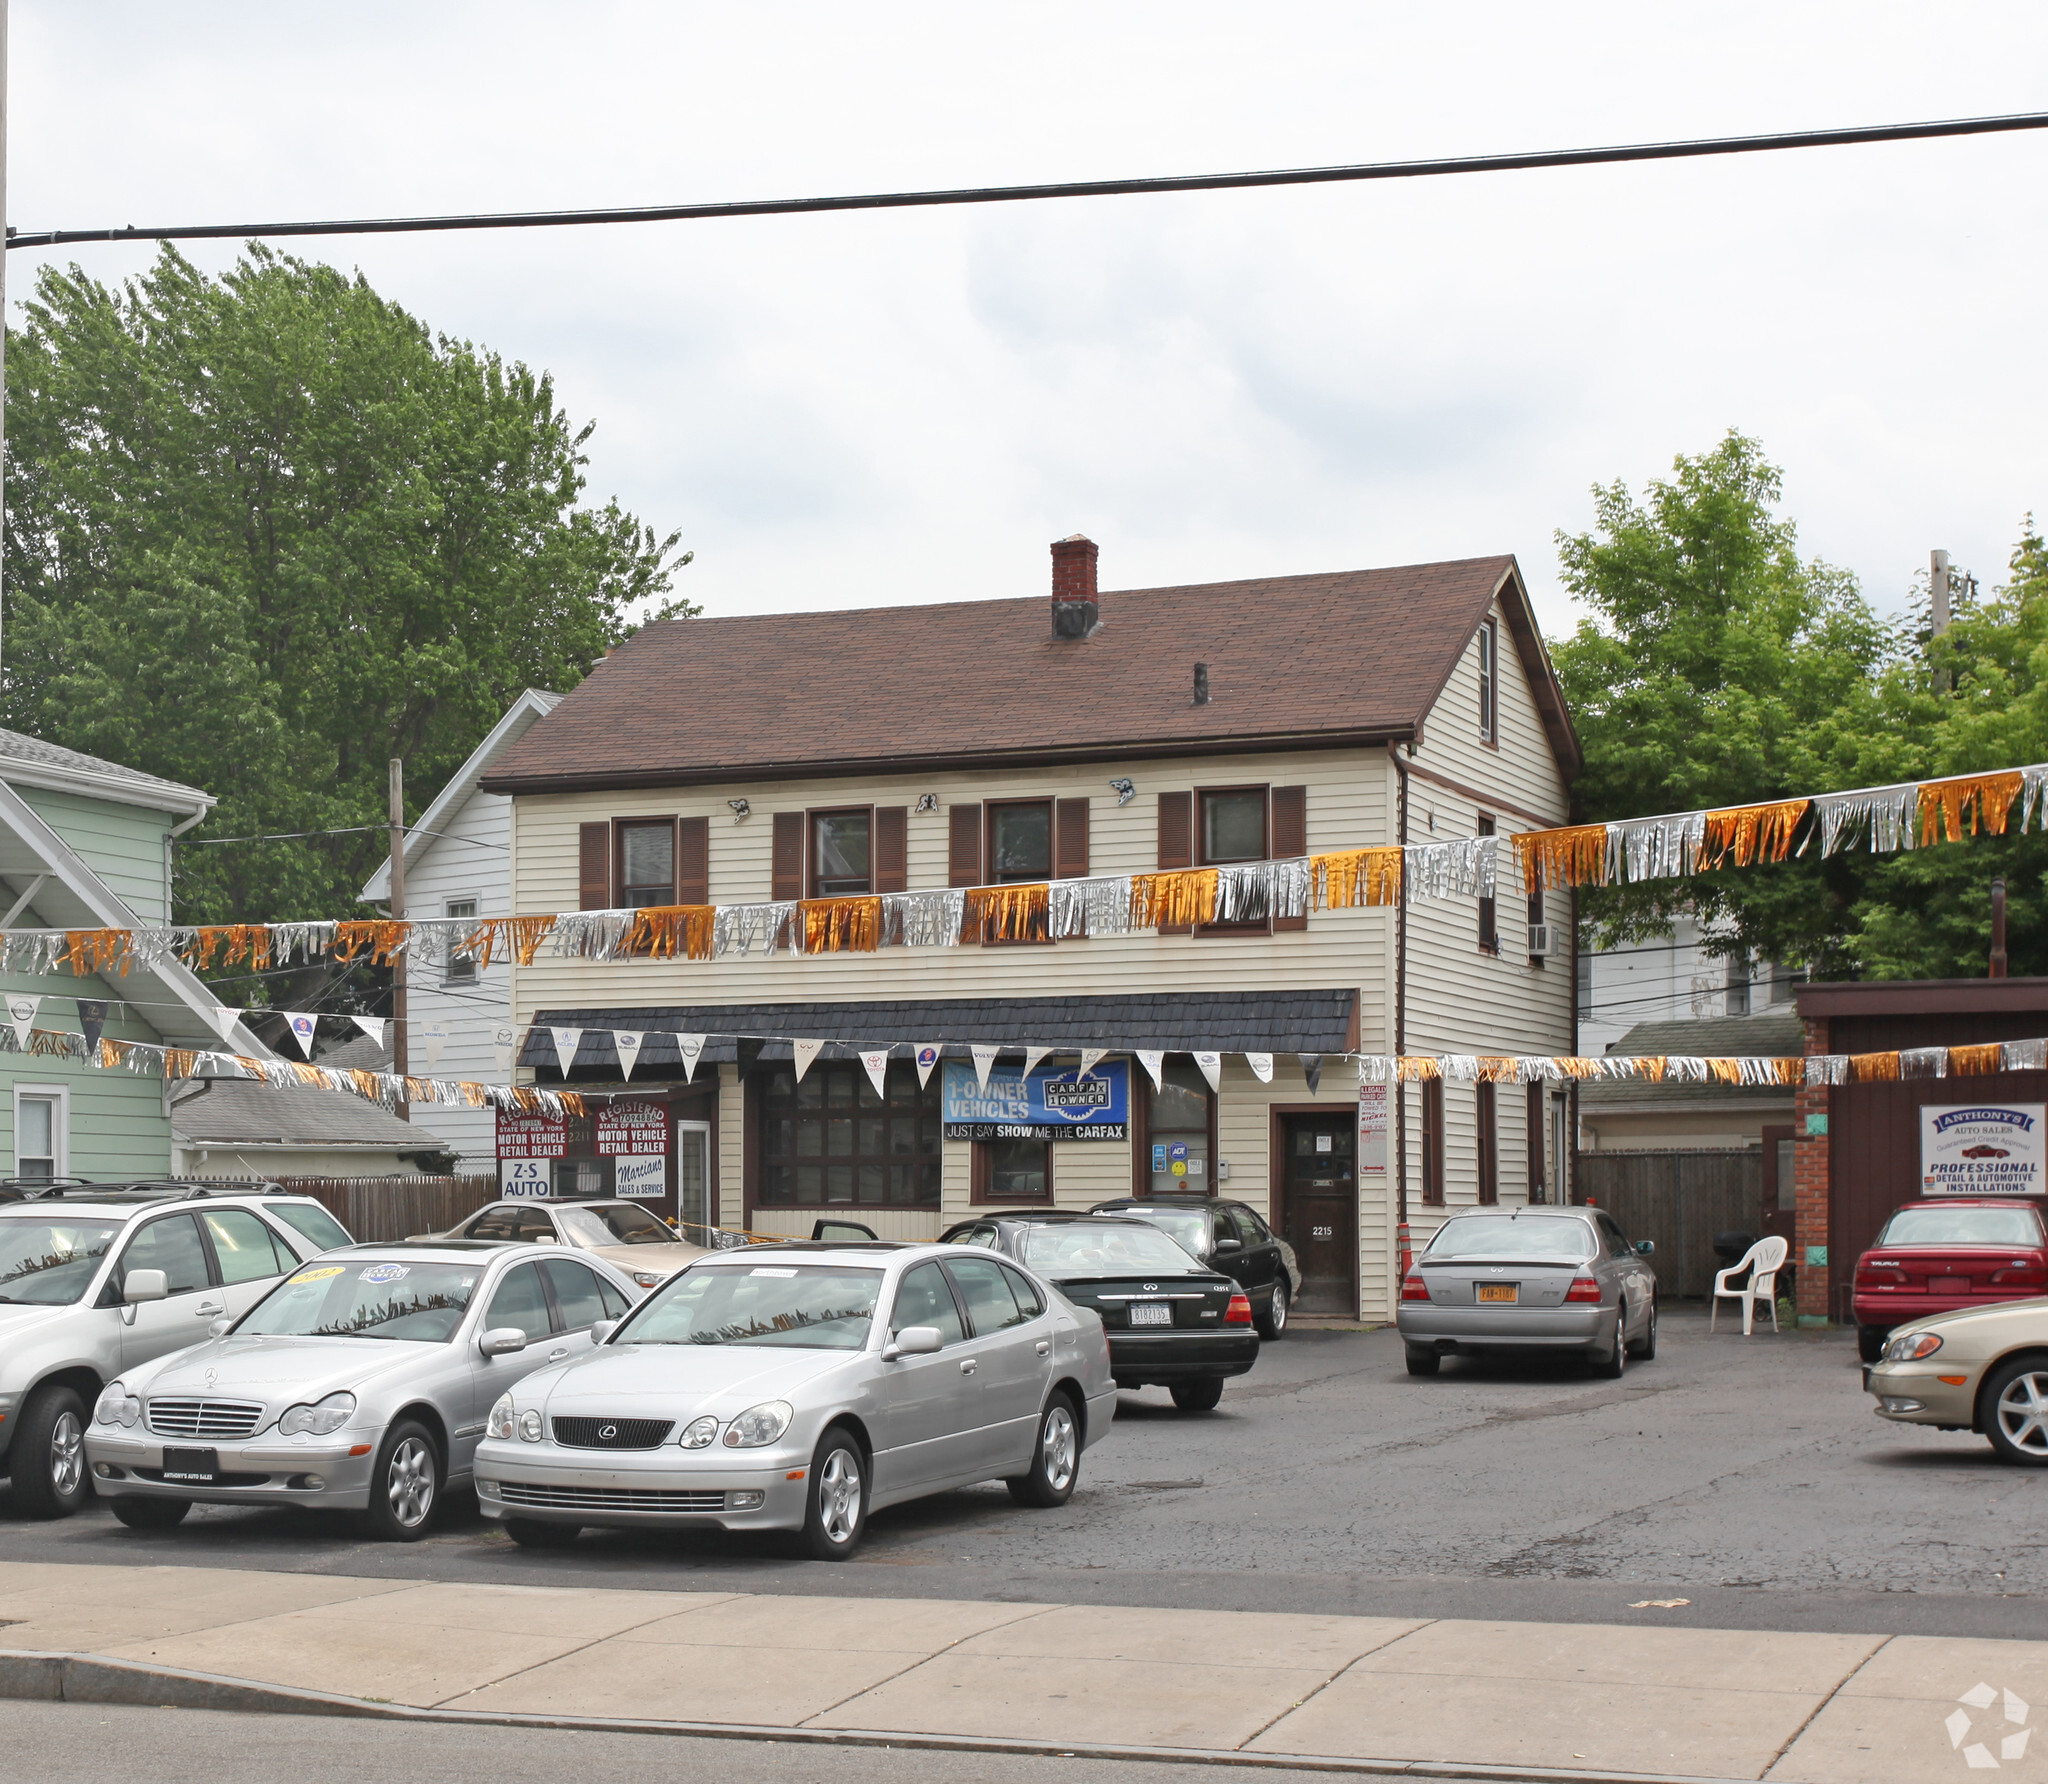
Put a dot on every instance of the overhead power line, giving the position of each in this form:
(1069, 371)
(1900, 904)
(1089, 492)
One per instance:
(1202, 182)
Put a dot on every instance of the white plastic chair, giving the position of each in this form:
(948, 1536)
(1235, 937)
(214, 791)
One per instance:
(1763, 1261)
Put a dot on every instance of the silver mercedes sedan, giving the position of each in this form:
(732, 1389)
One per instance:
(801, 1387)
(1556, 1279)
(360, 1382)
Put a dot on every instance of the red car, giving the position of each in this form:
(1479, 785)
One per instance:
(1936, 1257)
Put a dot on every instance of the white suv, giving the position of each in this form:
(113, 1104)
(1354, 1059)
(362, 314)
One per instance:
(97, 1280)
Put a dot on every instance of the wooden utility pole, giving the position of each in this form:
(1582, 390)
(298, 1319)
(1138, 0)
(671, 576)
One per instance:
(399, 1060)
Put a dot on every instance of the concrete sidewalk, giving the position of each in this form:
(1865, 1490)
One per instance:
(1721, 1704)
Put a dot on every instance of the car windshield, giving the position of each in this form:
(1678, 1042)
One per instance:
(802, 1305)
(313, 1222)
(613, 1225)
(1186, 1227)
(51, 1263)
(1962, 1226)
(1501, 1235)
(1092, 1247)
(413, 1303)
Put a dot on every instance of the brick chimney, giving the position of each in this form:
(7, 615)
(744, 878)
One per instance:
(1075, 611)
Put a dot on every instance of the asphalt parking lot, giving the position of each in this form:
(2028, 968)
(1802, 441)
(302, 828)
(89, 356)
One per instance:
(1748, 1477)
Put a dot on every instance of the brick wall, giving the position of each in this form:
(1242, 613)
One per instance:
(1810, 1178)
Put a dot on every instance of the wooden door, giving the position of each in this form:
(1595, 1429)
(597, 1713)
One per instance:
(1320, 1211)
(1778, 1215)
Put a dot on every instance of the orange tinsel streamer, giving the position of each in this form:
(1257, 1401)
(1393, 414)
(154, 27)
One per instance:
(1575, 855)
(1412, 1067)
(236, 942)
(1750, 833)
(1354, 877)
(88, 951)
(1945, 804)
(382, 936)
(837, 925)
(1173, 900)
(664, 931)
(1015, 913)
(1866, 1067)
(1972, 1062)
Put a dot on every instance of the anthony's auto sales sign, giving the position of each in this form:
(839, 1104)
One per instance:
(1982, 1149)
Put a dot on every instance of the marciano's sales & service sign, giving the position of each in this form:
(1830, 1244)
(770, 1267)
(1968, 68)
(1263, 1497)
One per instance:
(1051, 1104)
(1982, 1149)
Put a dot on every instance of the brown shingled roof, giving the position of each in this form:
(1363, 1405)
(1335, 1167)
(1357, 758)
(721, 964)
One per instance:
(1348, 657)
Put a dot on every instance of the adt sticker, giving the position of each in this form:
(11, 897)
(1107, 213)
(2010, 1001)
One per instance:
(384, 1273)
(1178, 1151)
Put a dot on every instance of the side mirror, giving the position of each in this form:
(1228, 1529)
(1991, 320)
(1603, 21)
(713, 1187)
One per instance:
(602, 1330)
(502, 1341)
(1646, 1248)
(145, 1285)
(219, 1328)
(1223, 1245)
(913, 1341)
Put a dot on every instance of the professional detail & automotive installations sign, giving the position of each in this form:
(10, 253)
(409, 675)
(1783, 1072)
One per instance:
(1053, 1103)
(1982, 1149)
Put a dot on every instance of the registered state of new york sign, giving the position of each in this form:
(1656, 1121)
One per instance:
(1982, 1149)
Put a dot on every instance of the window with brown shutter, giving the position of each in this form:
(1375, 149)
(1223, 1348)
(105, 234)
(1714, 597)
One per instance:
(643, 862)
(1433, 1141)
(1018, 851)
(1487, 1121)
(1537, 1096)
(892, 848)
(1489, 917)
(842, 863)
(786, 865)
(1290, 837)
(963, 845)
(1176, 842)
(594, 866)
(693, 861)
(1070, 839)
(1233, 825)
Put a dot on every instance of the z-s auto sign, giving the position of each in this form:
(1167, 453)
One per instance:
(1982, 1149)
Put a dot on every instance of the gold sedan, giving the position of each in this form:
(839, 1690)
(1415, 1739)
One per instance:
(1984, 1369)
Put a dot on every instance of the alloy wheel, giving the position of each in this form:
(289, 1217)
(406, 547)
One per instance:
(1059, 1446)
(410, 1483)
(67, 1454)
(2023, 1413)
(1276, 1314)
(839, 1496)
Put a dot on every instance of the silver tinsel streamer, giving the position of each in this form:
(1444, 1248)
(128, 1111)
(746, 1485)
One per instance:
(303, 941)
(2032, 781)
(592, 935)
(1923, 1062)
(1685, 1068)
(922, 919)
(1375, 1068)
(436, 938)
(31, 950)
(739, 928)
(1891, 815)
(1458, 1068)
(1462, 869)
(1255, 890)
(1827, 1068)
(1089, 907)
(1654, 848)
(2024, 1056)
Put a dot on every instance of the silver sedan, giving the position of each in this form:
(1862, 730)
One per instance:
(360, 1382)
(800, 1387)
(1556, 1279)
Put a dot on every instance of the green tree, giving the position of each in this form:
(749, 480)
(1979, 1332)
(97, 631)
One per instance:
(266, 532)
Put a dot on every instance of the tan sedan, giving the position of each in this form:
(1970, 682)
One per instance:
(620, 1232)
(1983, 1369)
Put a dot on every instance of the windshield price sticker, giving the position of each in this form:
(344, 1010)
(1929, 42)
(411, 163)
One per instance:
(384, 1273)
(319, 1275)
(1979, 1149)
(764, 1270)
(632, 1128)
(1052, 1103)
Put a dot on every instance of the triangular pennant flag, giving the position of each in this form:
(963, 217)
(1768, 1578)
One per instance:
(224, 1020)
(803, 1052)
(433, 1041)
(876, 1059)
(1091, 1057)
(1212, 1068)
(373, 1026)
(927, 1057)
(1262, 1066)
(503, 1040)
(21, 1011)
(1032, 1055)
(1152, 1062)
(984, 1057)
(1312, 1069)
(567, 1040)
(626, 1042)
(689, 1049)
(92, 1018)
(303, 1026)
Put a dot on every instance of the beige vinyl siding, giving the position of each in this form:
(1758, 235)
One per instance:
(123, 844)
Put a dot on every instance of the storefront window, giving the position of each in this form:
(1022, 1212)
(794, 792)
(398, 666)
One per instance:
(1014, 1171)
(1178, 1131)
(831, 1141)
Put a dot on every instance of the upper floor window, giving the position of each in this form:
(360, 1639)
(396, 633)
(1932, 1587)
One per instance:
(461, 968)
(842, 853)
(647, 863)
(1489, 909)
(1489, 682)
(1233, 826)
(1020, 842)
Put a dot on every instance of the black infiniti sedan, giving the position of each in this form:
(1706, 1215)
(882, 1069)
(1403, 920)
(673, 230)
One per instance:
(1172, 1322)
(1233, 1238)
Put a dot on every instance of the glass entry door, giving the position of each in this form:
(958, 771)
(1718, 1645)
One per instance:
(693, 1180)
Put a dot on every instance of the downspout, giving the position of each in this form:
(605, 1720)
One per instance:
(1400, 1000)
(170, 836)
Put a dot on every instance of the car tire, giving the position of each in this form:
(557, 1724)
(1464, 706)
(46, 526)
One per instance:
(1646, 1346)
(150, 1514)
(51, 1441)
(531, 1533)
(2015, 1417)
(1273, 1322)
(1613, 1363)
(836, 1497)
(1424, 1362)
(1055, 1458)
(1198, 1396)
(1870, 1342)
(405, 1484)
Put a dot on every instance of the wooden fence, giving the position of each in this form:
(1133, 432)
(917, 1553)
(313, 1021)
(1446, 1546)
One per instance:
(1679, 1199)
(377, 1210)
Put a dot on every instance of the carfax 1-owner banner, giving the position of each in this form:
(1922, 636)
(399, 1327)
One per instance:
(1981, 1149)
(1050, 1104)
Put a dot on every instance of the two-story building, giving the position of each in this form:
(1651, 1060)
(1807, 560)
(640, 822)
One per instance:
(996, 742)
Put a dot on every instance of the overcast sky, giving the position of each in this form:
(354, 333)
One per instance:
(910, 406)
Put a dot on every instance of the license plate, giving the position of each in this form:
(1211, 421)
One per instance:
(193, 1467)
(1948, 1285)
(1499, 1291)
(1151, 1313)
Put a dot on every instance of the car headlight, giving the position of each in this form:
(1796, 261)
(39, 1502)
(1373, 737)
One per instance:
(500, 1423)
(699, 1433)
(117, 1406)
(1912, 1347)
(649, 1278)
(529, 1426)
(321, 1418)
(759, 1424)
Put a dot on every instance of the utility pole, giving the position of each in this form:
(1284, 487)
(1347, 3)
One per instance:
(1938, 603)
(399, 1062)
(1998, 962)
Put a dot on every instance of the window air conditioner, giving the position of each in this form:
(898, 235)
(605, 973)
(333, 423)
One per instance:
(1542, 940)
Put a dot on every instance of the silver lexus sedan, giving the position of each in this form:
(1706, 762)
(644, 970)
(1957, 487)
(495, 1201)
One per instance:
(360, 1382)
(800, 1387)
(1555, 1279)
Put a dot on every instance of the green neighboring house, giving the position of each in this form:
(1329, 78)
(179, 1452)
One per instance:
(86, 844)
